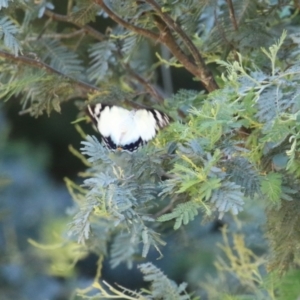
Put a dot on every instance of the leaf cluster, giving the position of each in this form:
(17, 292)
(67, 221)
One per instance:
(120, 190)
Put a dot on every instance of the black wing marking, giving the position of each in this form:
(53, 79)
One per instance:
(161, 118)
(132, 147)
(94, 111)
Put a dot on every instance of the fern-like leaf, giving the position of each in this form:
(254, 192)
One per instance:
(271, 186)
(8, 30)
(251, 33)
(183, 213)
(101, 54)
(123, 249)
(151, 238)
(228, 198)
(80, 226)
(60, 57)
(84, 12)
(162, 287)
(95, 150)
(275, 101)
(241, 172)
(42, 6)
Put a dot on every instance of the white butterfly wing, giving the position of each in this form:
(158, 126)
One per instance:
(113, 123)
(145, 124)
(121, 128)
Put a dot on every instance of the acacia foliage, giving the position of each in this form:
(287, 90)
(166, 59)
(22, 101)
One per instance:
(237, 143)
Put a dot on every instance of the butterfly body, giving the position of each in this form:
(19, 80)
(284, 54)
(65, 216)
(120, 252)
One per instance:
(126, 130)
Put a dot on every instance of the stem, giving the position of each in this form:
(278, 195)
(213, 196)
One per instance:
(117, 19)
(150, 89)
(232, 15)
(59, 36)
(206, 76)
(165, 37)
(88, 29)
(168, 40)
(41, 65)
(174, 26)
(99, 36)
(166, 72)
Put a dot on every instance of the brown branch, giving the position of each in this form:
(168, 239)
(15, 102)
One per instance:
(165, 37)
(296, 4)
(168, 40)
(167, 208)
(206, 75)
(232, 15)
(174, 26)
(34, 63)
(144, 32)
(88, 29)
(42, 66)
(151, 90)
(149, 87)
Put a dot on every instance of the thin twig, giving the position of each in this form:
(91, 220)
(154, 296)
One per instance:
(117, 19)
(149, 87)
(88, 29)
(223, 34)
(59, 36)
(34, 63)
(168, 40)
(174, 26)
(232, 15)
(166, 209)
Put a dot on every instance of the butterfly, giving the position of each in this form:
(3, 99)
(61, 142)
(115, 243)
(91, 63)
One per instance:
(126, 130)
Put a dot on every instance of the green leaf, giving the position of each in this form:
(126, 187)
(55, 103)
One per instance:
(187, 184)
(271, 186)
(208, 187)
(183, 213)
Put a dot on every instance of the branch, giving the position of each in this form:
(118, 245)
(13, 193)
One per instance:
(165, 37)
(150, 89)
(166, 209)
(174, 26)
(99, 36)
(296, 4)
(168, 40)
(88, 29)
(206, 75)
(141, 31)
(59, 36)
(87, 88)
(34, 63)
(232, 15)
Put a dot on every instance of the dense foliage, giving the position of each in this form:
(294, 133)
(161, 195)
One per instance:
(231, 151)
